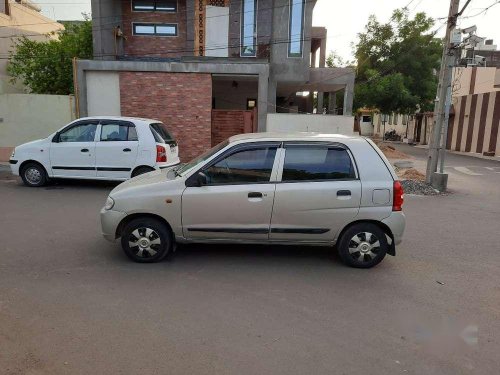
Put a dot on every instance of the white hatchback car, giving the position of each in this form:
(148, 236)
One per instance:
(100, 148)
(300, 189)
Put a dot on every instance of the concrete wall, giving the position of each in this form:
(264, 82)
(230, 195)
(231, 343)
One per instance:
(470, 81)
(27, 117)
(288, 122)
(103, 93)
(394, 122)
(106, 15)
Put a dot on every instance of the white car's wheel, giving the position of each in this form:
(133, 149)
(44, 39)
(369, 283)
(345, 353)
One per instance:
(34, 175)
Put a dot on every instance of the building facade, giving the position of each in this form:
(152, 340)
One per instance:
(207, 68)
(21, 19)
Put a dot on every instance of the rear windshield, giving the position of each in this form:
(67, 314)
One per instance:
(161, 133)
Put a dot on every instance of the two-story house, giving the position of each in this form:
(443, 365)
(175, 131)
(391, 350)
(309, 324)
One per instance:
(207, 68)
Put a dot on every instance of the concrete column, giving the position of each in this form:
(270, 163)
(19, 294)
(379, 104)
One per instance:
(313, 59)
(322, 53)
(320, 102)
(348, 98)
(267, 100)
(332, 103)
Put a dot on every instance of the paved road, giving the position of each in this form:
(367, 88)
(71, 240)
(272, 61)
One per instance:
(71, 303)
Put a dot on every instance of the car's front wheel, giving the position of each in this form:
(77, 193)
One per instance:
(34, 175)
(146, 240)
(363, 245)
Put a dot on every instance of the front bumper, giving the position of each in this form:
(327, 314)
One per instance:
(396, 221)
(109, 222)
(14, 166)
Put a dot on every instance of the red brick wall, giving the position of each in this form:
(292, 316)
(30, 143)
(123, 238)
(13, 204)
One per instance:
(226, 123)
(154, 45)
(182, 101)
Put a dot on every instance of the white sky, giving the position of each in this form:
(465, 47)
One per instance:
(343, 19)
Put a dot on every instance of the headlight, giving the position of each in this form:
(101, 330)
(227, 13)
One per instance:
(109, 203)
(13, 153)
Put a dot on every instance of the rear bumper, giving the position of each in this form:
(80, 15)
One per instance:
(109, 222)
(396, 222)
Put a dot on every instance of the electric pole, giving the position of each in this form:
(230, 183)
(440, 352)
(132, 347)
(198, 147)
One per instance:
(445, 76)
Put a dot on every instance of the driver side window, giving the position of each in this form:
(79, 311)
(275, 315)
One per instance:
(79, 133)
(243, 167)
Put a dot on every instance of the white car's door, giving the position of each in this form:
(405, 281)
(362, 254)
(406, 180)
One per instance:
(235, 199)
(318, 195)
(116, 149)
(72, 151)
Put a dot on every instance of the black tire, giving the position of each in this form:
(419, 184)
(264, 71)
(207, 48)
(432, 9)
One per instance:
(363, 245)
(34, 175)
(151, 247)
(141, 170)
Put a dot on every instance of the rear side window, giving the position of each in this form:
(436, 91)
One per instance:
(118, 132)
(161, 133)
(310, 163)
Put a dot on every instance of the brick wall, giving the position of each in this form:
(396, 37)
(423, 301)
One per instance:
(155, 45)
(226, 123)
(182, 101)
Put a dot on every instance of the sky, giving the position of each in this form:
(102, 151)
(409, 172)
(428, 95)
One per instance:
(343, 19)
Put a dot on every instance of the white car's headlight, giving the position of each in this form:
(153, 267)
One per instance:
(109, 203)
(13, 153)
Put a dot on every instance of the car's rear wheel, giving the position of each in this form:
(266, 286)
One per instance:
(34, 175)
(363, 245)
(146, 240)
(141, 170)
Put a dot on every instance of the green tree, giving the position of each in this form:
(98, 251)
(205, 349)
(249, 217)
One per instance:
(45, 67)
(397, 63)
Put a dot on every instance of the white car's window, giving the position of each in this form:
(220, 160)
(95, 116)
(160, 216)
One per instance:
(79, 133)
(243, 167)
(118, 132)
(309, 163)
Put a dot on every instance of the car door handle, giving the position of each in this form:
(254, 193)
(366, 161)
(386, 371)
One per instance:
(343, 193)
(126, 150)
(84, 150)
(254, 194)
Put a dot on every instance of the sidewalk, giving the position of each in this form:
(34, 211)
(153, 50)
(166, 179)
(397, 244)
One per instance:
(472, 154)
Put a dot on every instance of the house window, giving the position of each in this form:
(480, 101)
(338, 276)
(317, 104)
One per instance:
(154, 5)
(248, 26)
(155, 29)
(296, 28)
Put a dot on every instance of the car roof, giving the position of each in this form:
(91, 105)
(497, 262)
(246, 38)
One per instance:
(292, 136)
(124, 118)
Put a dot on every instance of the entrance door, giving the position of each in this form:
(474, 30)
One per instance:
(72, 151)
(116, 150)
(236, 196)
(318, 195)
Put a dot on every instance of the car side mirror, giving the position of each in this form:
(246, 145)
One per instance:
(202, 179)
(197, 180)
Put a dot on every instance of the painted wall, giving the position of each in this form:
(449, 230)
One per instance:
(103, 93)
(46, 114)
(217, 29)
(288, 122)
(483, 81)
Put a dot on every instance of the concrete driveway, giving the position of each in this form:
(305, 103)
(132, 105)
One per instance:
(72, 303)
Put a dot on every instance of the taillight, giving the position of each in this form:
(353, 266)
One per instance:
(398, 196)
(161, 154)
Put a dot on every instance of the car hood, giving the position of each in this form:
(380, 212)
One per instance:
(31, 144)
(146, 179)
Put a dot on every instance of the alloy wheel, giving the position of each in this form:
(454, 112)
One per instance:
(33, 175)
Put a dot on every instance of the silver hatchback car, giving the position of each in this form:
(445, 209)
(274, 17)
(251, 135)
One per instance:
(265, 188)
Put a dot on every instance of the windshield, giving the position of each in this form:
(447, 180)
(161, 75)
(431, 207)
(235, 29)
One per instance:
(200, 159)
(161, 133)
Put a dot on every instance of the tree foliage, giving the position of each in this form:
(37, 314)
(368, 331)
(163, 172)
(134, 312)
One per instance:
(397, 63)
(45, 67)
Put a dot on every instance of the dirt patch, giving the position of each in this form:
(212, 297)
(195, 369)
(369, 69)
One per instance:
(391, 153)
(411, 174)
